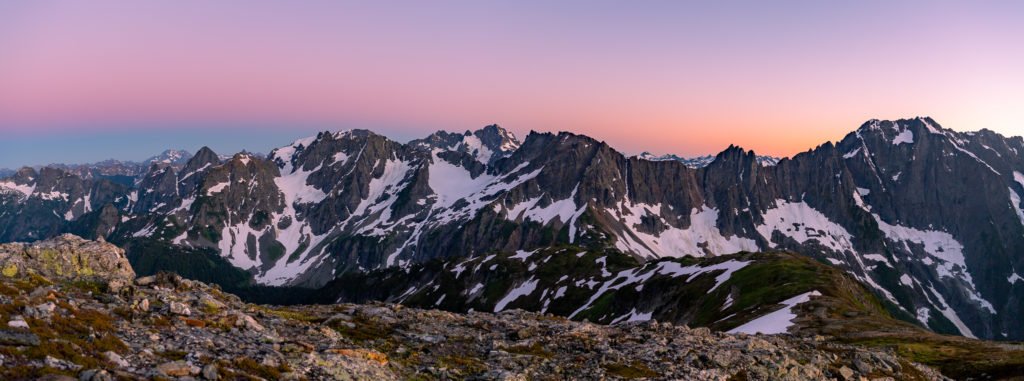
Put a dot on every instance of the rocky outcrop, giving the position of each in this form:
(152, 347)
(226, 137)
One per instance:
(67, 258)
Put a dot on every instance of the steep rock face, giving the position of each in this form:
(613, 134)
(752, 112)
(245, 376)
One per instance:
(194, 168)
(929, 218)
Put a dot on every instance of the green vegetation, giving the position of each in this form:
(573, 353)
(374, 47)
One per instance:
(534, 349)
(173, 355)
(362, 330)
(259, 219)
(249, 366)
(80, 338)
(631, 371)
(954, 356)
(90, 287)
(465, 365)
(275, 251)
(148, 257)
(292, 315)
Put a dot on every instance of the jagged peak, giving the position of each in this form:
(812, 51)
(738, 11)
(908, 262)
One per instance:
(303, 143)
(26, 173)
(491, 134)
(563, 138)
(486, 145)
(205, 152)
(508, 140)
(353, 133)
(244, 157)
(902, 124)
(51, 171)
(204, 157)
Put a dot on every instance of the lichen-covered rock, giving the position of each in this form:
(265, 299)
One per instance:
(67, 258)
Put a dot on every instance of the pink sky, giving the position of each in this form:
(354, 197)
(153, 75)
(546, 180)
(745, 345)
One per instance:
(663, 77)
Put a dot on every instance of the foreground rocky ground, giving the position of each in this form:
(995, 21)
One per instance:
(71, 308)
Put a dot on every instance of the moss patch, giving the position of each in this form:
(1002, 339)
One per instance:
(10, 270)
(631, 371)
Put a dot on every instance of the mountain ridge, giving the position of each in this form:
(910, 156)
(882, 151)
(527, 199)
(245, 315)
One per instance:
(873, 203)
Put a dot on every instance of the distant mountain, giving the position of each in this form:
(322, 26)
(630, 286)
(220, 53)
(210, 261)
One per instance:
(702, 161)
(126, 172)
(486, 145)
(244, 152)
(171, 156)
(929, 219)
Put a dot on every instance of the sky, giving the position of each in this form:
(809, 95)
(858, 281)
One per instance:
(83, 81)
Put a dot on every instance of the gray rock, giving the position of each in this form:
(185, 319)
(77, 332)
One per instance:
(18, 323)
(210, 372)
(115, 358)
(61, 364)
(178, 308)
(846, 373)
(95, 375)
(42, 311)
(174, 368)
(247, 322)
(145, 280)
(14, 337)
(861, 366)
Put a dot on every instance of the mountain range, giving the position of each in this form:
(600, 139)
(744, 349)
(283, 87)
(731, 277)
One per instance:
(929, 219)
(701, 161)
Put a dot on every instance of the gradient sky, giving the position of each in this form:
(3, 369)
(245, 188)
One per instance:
(87, 80)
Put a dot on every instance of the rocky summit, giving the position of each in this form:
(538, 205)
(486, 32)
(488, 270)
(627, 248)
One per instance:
(62, 324)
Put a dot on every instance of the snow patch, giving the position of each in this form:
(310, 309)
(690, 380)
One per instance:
(923, 314)
(633, 315)
(778, 321)
(296, 189)
(906, 281)
(906, 136)
(523, 289)
(340, 157)
(522, 255)
(700, 237)
(878, 258)
(674, 269)
(941, 246)
(802, 223)
(217, 188)
(851, 154)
